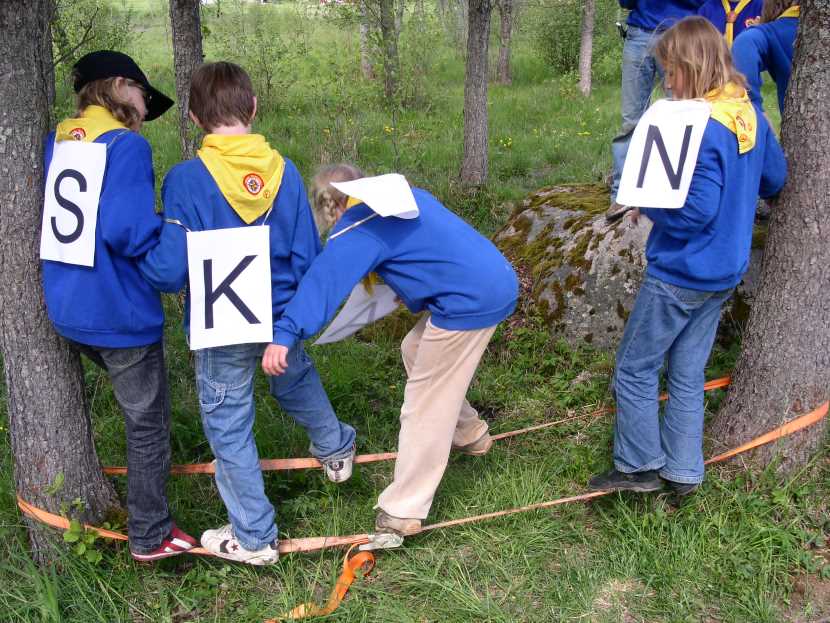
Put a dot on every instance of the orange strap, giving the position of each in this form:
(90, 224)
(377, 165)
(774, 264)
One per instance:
(364, 561)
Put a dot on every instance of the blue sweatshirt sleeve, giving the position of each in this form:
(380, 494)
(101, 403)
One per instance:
(127, 213)
(335, 272)
(702, 202)
(748, 53)
(165, 265)
(774, 174)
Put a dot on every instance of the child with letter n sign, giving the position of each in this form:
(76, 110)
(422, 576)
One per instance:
(698, 181)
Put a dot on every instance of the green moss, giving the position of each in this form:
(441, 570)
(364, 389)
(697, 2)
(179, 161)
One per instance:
(589, 337)
(621, 311)
(759, 236)
(559, 312)
(615, 269)
(590, 198)
(576, 256)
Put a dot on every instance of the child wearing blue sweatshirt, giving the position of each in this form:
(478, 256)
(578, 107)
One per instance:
(238, 180)
(435, 263)
(732, 17)
(108, 311)
(769, 47)
(646, 20)
(696, 256)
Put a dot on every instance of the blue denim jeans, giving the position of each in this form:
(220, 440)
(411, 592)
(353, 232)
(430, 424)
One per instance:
(639, 70)
(678, 326)
(224, 377)
(139, 382)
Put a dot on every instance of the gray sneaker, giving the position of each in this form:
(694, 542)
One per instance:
(223, 543)
(615, 212)
(384, 523)
(339, 470)
(479, 447)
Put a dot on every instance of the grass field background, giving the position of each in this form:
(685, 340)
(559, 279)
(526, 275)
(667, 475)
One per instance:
(747, 547)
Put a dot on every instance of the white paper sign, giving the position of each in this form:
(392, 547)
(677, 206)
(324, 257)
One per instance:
(662, 155)
(70, 203)
(230, 286)
(388, 195)
(360, 309)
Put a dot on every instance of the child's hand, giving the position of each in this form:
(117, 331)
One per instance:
(634, 215)
(275, 360)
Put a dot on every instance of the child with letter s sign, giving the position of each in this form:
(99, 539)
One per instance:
(239, 225)
(696, 255)
(98, 219)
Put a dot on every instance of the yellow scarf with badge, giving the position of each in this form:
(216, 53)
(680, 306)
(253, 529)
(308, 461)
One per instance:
(732, 108)
(92, 123)
(731, 18)
(246, 169)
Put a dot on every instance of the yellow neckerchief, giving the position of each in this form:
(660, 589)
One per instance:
(732, 108)
(93, 122)
(372, 279)
(793, 11)
(731, 18)
(246, 169)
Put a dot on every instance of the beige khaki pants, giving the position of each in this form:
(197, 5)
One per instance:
(435, 414)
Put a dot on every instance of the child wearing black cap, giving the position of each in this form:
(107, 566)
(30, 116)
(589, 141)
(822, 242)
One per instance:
(101, 304)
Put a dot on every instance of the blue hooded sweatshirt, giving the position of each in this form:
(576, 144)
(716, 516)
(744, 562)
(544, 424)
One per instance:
(749, 16)
(192, 197)
(705, 244)
(766, 47)
(110, 305)
(435, 262)
(658, 14)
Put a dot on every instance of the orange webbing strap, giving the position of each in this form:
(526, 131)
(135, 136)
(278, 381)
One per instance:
(268, 465)
(362, 561)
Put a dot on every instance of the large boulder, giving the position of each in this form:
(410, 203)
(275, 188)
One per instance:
(580, 274)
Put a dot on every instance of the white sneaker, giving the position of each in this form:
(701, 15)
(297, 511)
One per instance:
(224, 544)
(339, 470)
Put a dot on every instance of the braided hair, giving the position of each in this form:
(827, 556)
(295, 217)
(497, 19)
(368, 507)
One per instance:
(324, 197)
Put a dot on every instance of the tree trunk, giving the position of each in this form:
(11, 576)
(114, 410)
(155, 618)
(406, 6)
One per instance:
(474, 164)
(49, 426)
(366, 67)
(185, 22)
(420, 11)
(784, 367)
(389, 36)
(503, 73)
(49, 63)
(399, 10)
(586, 46)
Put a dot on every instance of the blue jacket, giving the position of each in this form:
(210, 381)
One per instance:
(658, 14)
(192, 197)
(110, 305)
(713, 11)
(435, 262)
(767, 47)
(705, 244)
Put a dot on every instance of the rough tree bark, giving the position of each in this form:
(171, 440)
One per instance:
(784, 367)
(389, 37)
(504, 75)
(366, 67)
(51, 436)
(586, 46)
(474, 165)
(186, 25)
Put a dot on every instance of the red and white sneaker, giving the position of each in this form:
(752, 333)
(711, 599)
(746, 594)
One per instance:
(177, 542)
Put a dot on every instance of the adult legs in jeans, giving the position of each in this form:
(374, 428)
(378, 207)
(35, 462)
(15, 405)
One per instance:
(225, 381)
(435, 389)
(139, 380)
(638, 73)
(661, 314)
(470, 426)
(301, 394)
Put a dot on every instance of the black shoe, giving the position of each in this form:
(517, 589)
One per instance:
(641, 482)
(681, 488)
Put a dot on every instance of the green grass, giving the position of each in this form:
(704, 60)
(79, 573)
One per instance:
(730, 553)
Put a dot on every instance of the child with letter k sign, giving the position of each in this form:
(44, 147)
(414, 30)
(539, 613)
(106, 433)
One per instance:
(239, 222)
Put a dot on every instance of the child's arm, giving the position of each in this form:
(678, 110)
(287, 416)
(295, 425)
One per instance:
(165, 265)
(774, 174)
(335, 272)
(127, 216)
(748, 53)
(702, 202)
(305, 245)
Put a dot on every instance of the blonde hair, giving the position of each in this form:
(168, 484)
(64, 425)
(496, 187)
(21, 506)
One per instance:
(325, 197)
(105, 93)
(774, 8)
(695, 49)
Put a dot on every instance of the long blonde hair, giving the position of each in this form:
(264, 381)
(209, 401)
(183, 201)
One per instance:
(105, 93)
(774, 8)
(325, 197)
(695, 49)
